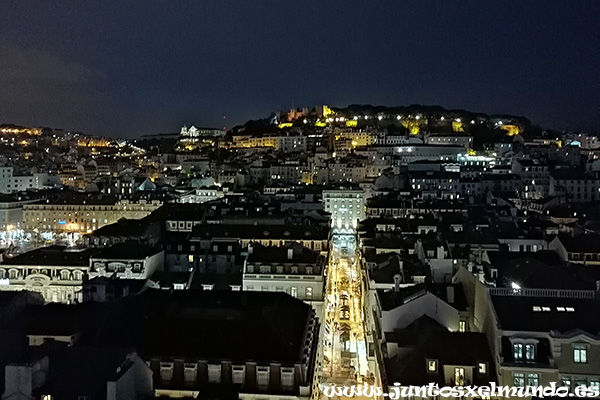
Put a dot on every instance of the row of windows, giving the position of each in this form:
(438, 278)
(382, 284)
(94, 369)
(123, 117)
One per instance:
(584, 257)
(238, 375)
(62, 275)
(308, 291)
(519, 379)
(569, 382)
(527, 353)
(524, 352)
(268, 269)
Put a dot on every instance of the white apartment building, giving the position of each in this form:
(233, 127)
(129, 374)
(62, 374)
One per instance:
(293, 269)
(11, 184)
(289, 173)
(575, 186)
(535, 177)
(291, 144)
(347, 208)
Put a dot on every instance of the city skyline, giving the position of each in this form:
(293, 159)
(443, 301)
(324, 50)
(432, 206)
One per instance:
(299, 201)
(151, 67)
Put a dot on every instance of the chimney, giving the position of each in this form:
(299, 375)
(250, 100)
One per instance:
(440, 252)
(290, 254)
(450, 294)
(397, 280)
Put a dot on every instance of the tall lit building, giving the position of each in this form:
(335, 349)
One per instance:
(347, 208)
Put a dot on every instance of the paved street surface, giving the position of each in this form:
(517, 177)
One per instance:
(342, 357)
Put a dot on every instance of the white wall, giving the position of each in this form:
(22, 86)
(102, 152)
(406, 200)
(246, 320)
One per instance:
(256, 282)
(428, 304)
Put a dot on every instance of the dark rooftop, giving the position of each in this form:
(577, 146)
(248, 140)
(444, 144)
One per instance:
(281, 232)
(260, 326)
(390, 299)
(127, 250)
(426, 340)
(517, 313)
(52, 256)
(280, 254)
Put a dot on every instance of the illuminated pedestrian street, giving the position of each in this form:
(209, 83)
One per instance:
(343, 351)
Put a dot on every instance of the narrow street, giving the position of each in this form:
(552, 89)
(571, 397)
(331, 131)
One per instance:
(342, 352)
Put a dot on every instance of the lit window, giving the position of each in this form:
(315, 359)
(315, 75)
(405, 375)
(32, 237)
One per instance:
(580, 353)
(238, 374)
(189, 373)
(432, 366)
(287, 378)
(533, 380)
(459, 376)
(462, 326)
(517, 351)
(166, 372)
(308, 293)
(482, 368)
(529, 352)
(519, 380)
(262, 377)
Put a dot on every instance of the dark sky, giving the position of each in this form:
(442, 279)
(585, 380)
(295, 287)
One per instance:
(128, 67)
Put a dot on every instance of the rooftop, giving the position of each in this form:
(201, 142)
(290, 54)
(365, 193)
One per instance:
(128, 250)
(52, 256)
(543, 314)
(285, 232)
(214, 325)
(426, 340)
(280, 254)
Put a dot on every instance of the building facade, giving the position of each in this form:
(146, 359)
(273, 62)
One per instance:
(346, 206)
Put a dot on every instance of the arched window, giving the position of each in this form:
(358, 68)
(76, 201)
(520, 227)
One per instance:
(65, 275)
(265, 269)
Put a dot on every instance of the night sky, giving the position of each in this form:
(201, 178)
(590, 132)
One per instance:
(126, 68)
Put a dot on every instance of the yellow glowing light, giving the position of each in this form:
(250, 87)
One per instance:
(458, 126)
(327, 111)
(413, 126)
(351, 123)
(511, 130)
(286, 125)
